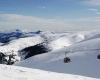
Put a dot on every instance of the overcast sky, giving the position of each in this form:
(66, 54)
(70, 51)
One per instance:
(50, 15)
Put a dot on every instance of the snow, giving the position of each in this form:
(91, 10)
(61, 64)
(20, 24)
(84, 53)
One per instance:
(66, 41)
(20, 43)
(60, 43)
(21, 73)
(83, 63)
(15, 45)
(81, 47)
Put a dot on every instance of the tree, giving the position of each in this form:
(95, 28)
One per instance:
(2, 58)
(10, 61)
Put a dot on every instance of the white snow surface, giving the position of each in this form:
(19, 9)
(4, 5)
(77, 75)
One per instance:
(21, 73)
(81, 47)
(20, 43)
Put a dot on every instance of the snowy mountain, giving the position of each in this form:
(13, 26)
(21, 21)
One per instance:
(7, 36)
(47, 50)
(21, 73)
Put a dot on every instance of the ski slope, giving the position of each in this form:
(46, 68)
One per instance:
(81, 47)
(21, 73)
(83, 51)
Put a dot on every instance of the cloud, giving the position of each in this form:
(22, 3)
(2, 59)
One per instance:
(92, 2)
(30, 22)
(98, 13)
(95, 10)
(95, 4)
(13, 21)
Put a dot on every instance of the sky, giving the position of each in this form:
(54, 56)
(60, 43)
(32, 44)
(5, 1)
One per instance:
(50, 15)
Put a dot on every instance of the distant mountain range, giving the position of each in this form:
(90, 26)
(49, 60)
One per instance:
(8, 36)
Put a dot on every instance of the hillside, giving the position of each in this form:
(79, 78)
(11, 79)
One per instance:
(47, 50)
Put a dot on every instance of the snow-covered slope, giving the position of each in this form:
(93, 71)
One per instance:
(15, 45)
(21, 43)
(81, 47)
(21, 73)
(83, 51)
